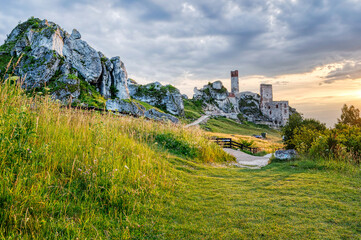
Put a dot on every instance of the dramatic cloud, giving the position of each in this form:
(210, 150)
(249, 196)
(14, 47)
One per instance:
(182, 42)
(350, 70)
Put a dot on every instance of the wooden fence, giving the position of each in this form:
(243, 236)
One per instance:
(229, 143)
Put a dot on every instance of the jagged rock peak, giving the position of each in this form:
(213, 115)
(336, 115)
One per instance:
(51, 58)
(75, 34)
(49, 54)
(211, 92)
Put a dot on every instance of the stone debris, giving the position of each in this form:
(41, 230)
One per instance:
(285, 154)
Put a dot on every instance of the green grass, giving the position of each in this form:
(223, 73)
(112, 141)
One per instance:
(192, 110)
(292, 200)
(146, 105)
(229, 126)
(90, 96)
(68, 173)
(72, 174)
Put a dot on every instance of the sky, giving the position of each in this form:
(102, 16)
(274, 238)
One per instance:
(309, 50)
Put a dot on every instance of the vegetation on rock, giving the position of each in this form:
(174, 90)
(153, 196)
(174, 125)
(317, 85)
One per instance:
(192, 109)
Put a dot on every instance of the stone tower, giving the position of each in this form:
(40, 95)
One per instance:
(234, 82)
(266, 95)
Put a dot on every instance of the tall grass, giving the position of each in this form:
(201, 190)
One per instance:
(68, 173)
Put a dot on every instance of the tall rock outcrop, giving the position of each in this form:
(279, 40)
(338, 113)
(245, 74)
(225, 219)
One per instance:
(51, 56)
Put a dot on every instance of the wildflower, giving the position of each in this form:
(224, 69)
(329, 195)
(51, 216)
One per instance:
(79, 169)
(116, 169)
(126, 166)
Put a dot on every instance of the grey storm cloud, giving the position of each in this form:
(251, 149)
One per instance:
(165, 39)
(349, 71)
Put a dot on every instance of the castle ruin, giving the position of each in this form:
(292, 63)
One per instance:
(234, 82)
(246, 105)
(277, 111)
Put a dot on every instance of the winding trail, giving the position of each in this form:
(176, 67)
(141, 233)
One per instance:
(198, 121)
(243, 159)
(248, 161)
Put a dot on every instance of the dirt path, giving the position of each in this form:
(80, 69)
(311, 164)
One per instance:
(248, 161)
(198, 121)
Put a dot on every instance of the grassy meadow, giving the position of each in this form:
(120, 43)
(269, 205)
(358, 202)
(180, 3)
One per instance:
(67, 173)
(71, 174)
(227, 128)
(289, 200)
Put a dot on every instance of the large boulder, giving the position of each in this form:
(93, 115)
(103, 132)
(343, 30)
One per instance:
(286, 154)
(156, 115)
(125, 106)
(166, 97)
(136, 109)
(216, 97)
(211, 92)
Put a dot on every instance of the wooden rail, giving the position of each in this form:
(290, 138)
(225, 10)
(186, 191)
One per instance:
(229, 143)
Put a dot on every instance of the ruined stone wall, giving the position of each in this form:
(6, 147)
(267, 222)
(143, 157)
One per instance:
(266, 95)
(234, 82)
(277, 111)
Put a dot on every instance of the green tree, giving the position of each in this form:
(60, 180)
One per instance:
(288, 130)
(296, 125)
(350, 116)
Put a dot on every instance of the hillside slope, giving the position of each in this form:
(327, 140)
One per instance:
(69, 173)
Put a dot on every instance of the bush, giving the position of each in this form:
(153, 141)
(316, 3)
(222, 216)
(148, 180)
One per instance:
(296, 125)
(311, 138)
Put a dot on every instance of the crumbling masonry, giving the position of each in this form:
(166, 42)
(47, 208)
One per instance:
(276, 111)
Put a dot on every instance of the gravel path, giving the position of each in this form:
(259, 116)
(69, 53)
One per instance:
(248, 161)
(198, 121)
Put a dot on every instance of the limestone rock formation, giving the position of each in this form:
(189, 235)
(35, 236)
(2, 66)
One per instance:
(217, 101)
(211, 92)
(125, 106)
(216, 97)
(154, 114)
(249, 107)
(67, 67)
(82, 57)
(136, 109)
(167, 97)
(51, 57)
